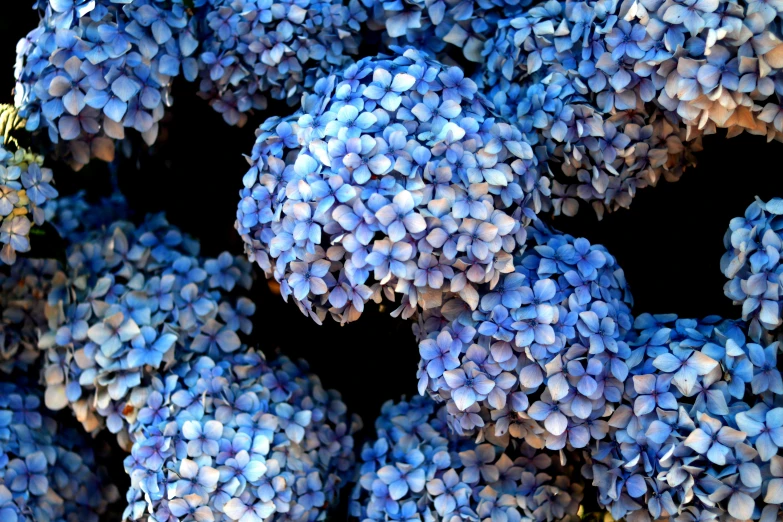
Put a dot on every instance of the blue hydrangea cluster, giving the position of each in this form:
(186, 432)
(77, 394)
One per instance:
(616, 95)
(132, 297)
(612, 96)
(23, 290)
(25, 187)
(48, 472)
(397, 175)
(239, 438)
(92, 68)
(251, 48)
(394, 177)
(417, 469)
(431, 25)
(542, 356)
(752, 263)
(699, 430)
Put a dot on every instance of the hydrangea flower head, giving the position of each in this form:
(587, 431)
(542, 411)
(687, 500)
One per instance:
(696, 433)
(542, 357)
(48, 472)
(617, 95)
(251, 49)
(394, 177)
(92, 69)
(417, 469)
(133, 296)
(239, 438)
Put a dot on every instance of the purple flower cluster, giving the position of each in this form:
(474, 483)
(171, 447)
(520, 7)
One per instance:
(238, 438)
(752, 263)
(698, 432)
(93, 68)
(417, 469)
(394, 177)
(48, 472)
(131, 297)
(543, 355)
(252, 48)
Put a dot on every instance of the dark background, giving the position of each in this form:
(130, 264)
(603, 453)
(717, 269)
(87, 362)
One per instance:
(669, 243)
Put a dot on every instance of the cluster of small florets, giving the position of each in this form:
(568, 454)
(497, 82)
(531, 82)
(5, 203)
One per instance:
(752, 263)
(698, 433)
(417, 469)
(251, 48)
(48, 473)
(612, 90)
(543, 354)
(393, 178)
(132, 296)
(238, 438)
(91, 69)
(25, 185)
